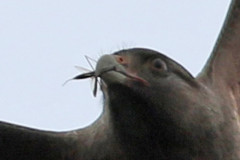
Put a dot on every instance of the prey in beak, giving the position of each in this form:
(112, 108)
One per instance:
(109, 70)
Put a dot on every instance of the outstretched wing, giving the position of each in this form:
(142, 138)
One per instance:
(222, 71)
(21, 143)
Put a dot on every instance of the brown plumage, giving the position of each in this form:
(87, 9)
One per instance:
(153, 109)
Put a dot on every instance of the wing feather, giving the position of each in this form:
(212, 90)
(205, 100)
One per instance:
(22, 143)
(222, 71)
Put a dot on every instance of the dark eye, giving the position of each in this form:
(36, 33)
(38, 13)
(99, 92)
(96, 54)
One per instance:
(159, 64)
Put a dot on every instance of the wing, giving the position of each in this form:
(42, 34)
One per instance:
(222, 71)
(21, 143)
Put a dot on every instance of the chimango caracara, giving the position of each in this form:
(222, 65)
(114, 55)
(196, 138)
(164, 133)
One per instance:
(154, 109)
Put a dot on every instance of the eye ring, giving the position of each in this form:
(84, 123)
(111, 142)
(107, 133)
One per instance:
(159, 64)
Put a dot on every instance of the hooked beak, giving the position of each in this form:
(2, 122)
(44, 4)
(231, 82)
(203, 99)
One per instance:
(111, 69)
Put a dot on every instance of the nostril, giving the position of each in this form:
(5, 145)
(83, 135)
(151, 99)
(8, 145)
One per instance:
(121, 60)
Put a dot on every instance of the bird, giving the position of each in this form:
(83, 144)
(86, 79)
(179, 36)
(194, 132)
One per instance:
(153, 109)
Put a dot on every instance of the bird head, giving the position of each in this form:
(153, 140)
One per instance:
(145, 73)
(153, 101)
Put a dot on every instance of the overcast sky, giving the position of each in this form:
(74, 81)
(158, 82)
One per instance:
(41, 41)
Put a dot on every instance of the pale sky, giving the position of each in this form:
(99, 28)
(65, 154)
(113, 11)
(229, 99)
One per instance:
(41, 41)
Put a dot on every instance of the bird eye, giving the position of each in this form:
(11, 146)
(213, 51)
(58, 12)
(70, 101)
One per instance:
(159, 64)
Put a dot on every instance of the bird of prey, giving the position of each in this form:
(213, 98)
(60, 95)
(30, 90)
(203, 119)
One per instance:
(153, 109)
